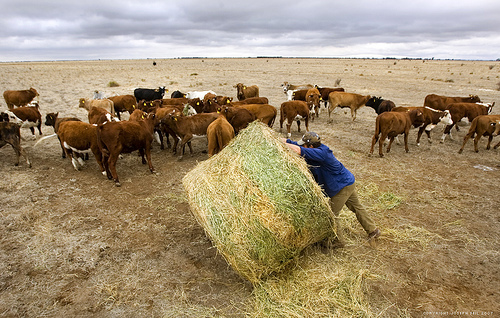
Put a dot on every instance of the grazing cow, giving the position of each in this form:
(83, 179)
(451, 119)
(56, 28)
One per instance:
(188, 126)
(219, 134)
(98, 115)
(325, 92)
(107, 104)
(30, 117)
(10, 133)
(467, 110)
(115, 138)
(263, 112)
(149, 94)
(380, 105)
(123, 103)
(53, 119)
(392, 124)
(177, 94)
(238, 117)
(290, 87)
(483, 125)
(19, 98)
(199, 94)
(441, 102)
(244, 92)
(343, 99)
(295, 110)
(77, 137)
(431, 118)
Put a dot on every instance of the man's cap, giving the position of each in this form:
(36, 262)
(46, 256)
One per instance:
(309, 137)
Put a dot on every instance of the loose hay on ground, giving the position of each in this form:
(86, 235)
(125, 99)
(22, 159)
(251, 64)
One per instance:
(258, 203)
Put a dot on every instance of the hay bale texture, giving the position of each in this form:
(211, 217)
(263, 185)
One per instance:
(258, 203)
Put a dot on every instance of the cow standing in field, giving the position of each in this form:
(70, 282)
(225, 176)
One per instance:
(87, 104)
(149, 94)
(19, 98)
(325, 92)
(53, 119)
(441, 102)
(343, 99)
(483, 125)
(391, 124)
(238, 117)
(295, 110)
(380, 105)
(123, 103)
(30, 117)
(10, 133)
(244, 92)
(290, 87)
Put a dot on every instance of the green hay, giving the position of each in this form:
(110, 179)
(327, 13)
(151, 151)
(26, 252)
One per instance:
(258, 203)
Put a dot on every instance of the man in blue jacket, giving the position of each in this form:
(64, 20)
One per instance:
(335, 180)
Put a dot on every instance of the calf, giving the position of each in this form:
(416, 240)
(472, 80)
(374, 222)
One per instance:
(107, 104)
(238, 117)
(380, 105)
(149, 94)
(263, 112)
(19, 98)
(187, 126)
(76, 138)
(115, 138)
(123, 103)
(53, 119)
(325, 92)
(392, 124)
(343, 99)
(467, 110)
(219, 134)
(483, 125)
(30, 117)
(441, 102)
(295, 111)
(10, 133)
(313, 98)
(431, 118)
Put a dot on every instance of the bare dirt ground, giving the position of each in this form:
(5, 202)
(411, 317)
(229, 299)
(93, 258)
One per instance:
(72, 244)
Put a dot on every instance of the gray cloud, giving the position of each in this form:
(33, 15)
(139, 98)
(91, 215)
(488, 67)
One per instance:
(41, 30)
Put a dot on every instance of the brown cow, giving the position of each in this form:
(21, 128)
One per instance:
(107, 104)
(251, 100)
(325, 92)
(441, 102)
(123, 103)
(115, 138)
(343, 99)
(244, 92)
(98, 115)
(53, 119)
(467, 110)
(238, 117)
(187, 126)
(313, 99)
(392, 124)
(30, 117)
(483, 125)
(263, 112)
(10, 133)
(19, 98)
(77, 137)
(219, 134)
(430, 119)
(295, 110)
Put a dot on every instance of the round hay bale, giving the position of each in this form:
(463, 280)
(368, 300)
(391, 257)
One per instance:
(258, 203)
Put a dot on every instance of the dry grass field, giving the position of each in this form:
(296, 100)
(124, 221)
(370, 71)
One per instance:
(74, 245)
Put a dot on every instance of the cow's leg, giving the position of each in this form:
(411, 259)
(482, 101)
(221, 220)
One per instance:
(406, 141)
(141, 152)
(32, 129)
(353, 113)
(306, 120)
(39, 126)
(476, 141)
(496, 146)
(391, 140)
(381, 144)
(419, 134)
(490, 138)
(148, 157)
(466, 138)
(298, 125)
(98, 157)
(113, 158)
(374, 141)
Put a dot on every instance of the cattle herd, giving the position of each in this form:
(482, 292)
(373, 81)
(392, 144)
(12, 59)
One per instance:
(220, 118)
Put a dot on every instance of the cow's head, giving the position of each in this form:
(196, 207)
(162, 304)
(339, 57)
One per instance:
(285, 86)
(12, 117)
(50, 119)
(374, 102)
(239, 91)
(474, 99)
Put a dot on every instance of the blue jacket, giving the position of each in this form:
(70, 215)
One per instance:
(328, 172)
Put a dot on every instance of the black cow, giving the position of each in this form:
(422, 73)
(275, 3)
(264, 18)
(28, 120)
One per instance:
(177, 94)
(380, 105)
(149, 94)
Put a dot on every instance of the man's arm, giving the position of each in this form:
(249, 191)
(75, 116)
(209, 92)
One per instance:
(295, 148)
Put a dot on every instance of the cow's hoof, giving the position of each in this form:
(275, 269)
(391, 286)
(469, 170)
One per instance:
(118, 184)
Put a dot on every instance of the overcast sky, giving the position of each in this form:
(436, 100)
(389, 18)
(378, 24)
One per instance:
(34, 30)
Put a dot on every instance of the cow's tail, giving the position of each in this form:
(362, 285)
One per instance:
(44, 138)
(102, 146)
(271, 122)
(472, 129)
